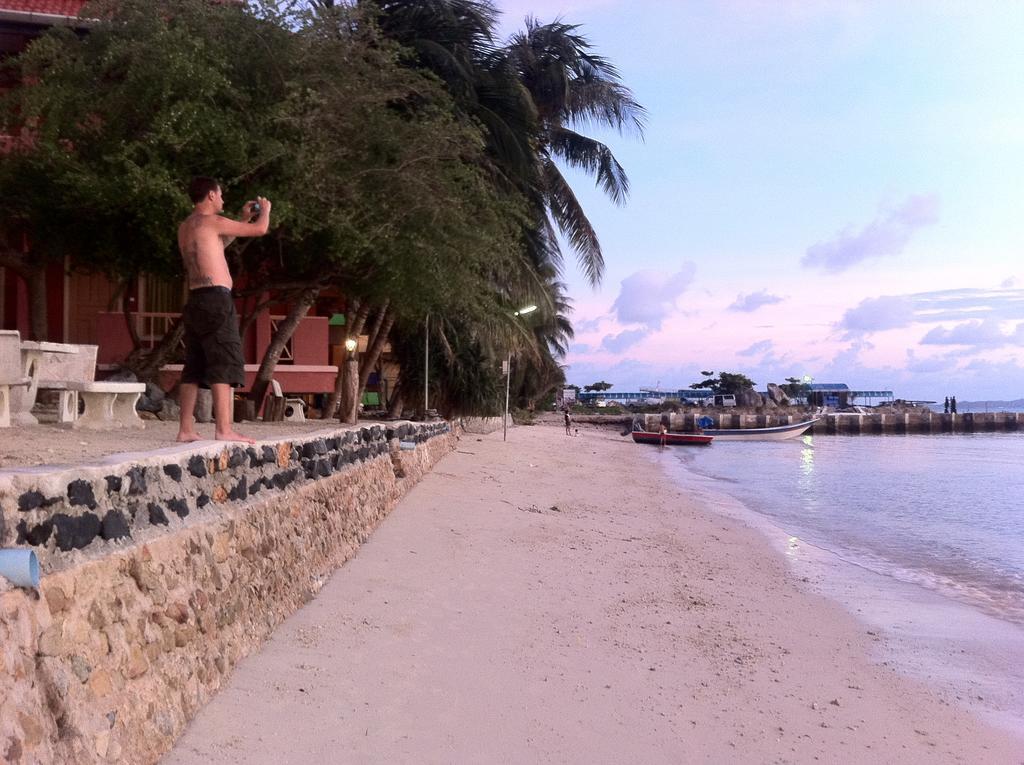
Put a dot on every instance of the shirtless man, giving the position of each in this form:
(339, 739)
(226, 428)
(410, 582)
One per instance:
(213, 348)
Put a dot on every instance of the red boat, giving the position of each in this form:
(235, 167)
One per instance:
(671, 439)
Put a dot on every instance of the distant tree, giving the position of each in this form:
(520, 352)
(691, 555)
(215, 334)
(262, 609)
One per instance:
(598, 387)
(710, 382)
(795, 386)
(725, 383)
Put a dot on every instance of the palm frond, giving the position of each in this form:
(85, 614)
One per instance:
(572, 221)
(594, 157)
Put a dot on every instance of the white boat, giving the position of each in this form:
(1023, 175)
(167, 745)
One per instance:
(778, 433)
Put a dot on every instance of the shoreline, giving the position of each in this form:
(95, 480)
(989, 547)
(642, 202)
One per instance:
(927, 634)
(560, 600)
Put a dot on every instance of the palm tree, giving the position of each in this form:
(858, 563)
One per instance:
(531, 97)
(454, 39)
(571, 87)
(540, 370)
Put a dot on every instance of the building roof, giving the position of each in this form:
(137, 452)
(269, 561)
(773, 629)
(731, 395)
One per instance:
(828, 386)
(49, 7)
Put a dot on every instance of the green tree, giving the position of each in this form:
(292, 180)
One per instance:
(528, 128)
(598, 386)
(725, 383)
(795, 386)
(114, 123)
(377, 183)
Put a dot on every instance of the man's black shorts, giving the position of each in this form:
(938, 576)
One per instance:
(213, 348)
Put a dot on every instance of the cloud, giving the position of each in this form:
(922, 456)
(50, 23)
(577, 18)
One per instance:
(877, 314)
(753, 301)
(588, 325)
(762, 346)
(648, 297)
(885, 236)
(957, 305)
(898, 311)
(620, 342)
(929, 364)
(975, 334)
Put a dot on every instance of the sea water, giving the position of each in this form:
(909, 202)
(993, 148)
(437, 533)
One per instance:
(922, 536)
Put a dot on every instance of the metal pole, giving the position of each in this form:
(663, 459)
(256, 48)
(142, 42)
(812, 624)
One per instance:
(426, 365)
(508, 382)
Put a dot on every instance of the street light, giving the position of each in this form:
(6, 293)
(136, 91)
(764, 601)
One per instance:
(349, 402)
(426, 365)
(508, 375)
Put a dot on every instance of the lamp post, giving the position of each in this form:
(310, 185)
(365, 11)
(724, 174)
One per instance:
(426, 365)
(508, 375)
(349, 404)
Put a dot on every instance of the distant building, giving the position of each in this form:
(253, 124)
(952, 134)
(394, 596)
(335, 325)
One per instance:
(646, 397)
(839, 395)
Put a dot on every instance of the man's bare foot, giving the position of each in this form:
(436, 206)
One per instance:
(233, 436)
(185, 438)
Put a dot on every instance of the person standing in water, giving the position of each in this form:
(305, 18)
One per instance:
(213, 346)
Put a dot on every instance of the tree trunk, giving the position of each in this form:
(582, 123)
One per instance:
(349, 412)
(397, 400)
(284, 333)
(35, 279)
(382, 314)
(354, 324)
(374, 351)
(126, 311)
(359, 318)
(146, 363)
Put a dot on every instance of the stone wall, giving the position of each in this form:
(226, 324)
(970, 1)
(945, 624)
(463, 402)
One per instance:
(483, 425)
(162, 572)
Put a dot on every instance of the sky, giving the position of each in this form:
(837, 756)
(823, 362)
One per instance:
(831, 189)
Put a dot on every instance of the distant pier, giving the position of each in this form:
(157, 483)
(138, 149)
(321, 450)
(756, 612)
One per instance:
(842, 424)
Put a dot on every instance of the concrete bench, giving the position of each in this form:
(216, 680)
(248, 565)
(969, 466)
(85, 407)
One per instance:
(10, 372)
(31, 362)
(61, 372)
(108, 405)
(5, 397)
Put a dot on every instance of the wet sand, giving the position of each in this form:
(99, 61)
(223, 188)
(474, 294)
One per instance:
(555, 599)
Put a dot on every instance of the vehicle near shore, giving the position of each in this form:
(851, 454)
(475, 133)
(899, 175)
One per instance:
(777, 433)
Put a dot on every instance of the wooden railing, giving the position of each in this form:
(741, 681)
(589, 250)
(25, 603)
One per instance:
(286, 352)
(151, 326)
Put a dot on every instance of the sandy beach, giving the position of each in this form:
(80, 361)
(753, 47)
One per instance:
(555, 599)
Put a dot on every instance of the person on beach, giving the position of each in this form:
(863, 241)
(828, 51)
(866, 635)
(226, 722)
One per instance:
(213, 347)
(663, 432)
(568, 422)
(945, 406)
(952, 404)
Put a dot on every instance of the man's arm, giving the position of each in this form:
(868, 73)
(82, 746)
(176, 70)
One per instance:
(230, 229)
